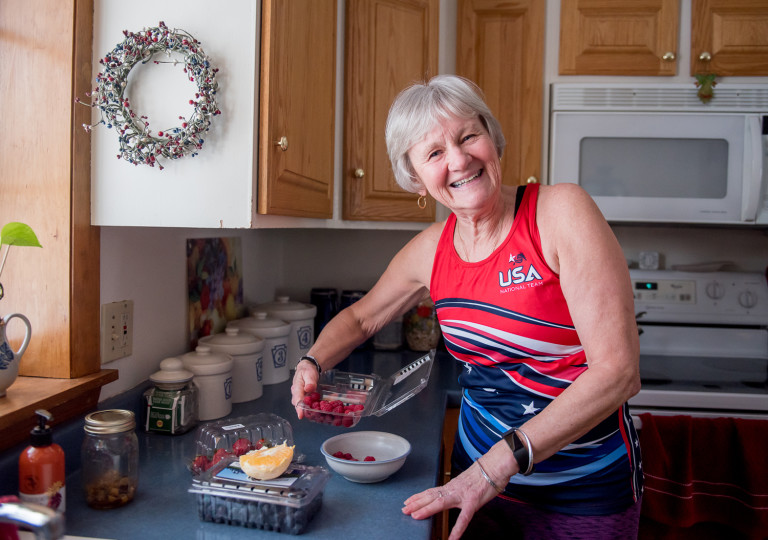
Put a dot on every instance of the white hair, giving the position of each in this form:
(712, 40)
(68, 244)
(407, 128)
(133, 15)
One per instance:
(418, 109)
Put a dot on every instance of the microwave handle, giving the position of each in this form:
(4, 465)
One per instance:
(753, 167)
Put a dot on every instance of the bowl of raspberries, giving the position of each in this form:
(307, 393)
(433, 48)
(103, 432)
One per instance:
(366, 456)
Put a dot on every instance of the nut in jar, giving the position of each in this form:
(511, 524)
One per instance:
(110, 458)
(422, 329)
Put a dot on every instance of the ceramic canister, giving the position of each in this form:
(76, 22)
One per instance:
(274, 332)
(246, 351)
(301, 317)
(213, 378)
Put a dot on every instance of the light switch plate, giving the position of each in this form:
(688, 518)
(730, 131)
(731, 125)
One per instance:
(116, 330)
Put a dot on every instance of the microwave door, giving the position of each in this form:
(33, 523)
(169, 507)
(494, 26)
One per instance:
(653, 167)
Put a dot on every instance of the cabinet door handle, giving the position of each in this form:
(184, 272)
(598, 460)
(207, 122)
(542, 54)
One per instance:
(359, 173)
(705, 57)
(668, 56)
(282, 143)
(532, 180)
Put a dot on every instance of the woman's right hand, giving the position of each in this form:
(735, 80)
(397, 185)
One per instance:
(304, 381)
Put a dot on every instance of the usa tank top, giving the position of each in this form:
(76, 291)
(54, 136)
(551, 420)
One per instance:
(506, 320)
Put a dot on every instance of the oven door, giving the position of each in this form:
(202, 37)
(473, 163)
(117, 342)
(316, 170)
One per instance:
(662, 167)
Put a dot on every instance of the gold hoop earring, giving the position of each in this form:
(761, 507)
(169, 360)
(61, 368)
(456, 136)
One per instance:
(421, 202)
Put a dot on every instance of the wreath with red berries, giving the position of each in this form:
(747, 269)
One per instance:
(138, 144)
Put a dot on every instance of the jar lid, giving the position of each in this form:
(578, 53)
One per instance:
(110, 421)
(285, 310)
(259, 324)
(234, 342)
(171, 371)
(203, 361)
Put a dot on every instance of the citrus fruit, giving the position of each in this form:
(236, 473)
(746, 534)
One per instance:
(268, 462)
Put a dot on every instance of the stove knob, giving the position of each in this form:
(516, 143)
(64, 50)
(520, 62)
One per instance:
(715, 290)
(747, 299)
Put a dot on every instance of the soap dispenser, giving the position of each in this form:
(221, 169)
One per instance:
(41, 467)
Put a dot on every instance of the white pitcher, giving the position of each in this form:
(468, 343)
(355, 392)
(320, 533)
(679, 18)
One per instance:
(9, 359)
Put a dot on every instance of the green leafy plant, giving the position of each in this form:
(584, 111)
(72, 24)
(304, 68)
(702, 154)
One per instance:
(15, 234)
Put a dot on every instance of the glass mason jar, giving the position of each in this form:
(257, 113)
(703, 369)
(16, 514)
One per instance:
(110, 458)
(422, 330)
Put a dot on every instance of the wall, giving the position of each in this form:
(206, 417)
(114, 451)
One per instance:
(148, 265)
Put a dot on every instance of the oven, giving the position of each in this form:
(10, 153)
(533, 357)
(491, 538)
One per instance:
(703, 343)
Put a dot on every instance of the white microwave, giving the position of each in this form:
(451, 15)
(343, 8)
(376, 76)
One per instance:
(657, 154)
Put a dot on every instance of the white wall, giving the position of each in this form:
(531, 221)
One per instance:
(147, 265)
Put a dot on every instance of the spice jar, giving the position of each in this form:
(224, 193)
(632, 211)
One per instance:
(110, 458)
(422, 329)
(171, 406)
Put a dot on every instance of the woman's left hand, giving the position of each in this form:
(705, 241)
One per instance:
(468, 491)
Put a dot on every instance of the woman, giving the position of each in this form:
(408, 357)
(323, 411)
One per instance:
(536, 302)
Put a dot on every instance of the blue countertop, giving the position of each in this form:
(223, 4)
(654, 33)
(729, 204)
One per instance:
(164, 508)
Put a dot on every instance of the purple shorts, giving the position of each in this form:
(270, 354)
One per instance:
(505, 518)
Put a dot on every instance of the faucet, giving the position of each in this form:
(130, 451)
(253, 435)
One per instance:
(44, 522)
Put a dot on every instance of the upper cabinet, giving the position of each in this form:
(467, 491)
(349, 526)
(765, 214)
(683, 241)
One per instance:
(729, 37)
(296, 135)
(620, 37)
(389, 45)
(501, 47)
(640, 37)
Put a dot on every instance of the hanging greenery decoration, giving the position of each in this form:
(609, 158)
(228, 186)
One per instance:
(138, 144)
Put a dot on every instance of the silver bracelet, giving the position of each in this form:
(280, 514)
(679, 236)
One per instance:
(312, 359)
(529, 469)
(488, 478)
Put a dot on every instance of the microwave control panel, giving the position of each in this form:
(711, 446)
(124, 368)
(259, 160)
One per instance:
(696, 298)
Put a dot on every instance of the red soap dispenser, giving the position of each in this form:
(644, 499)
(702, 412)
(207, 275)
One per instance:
(41, 467)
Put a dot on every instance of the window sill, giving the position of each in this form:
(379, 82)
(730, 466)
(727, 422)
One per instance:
(63, 398)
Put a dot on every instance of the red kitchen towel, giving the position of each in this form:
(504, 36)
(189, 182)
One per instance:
(706, 470)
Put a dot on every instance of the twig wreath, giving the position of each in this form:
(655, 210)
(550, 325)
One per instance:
(137, 143)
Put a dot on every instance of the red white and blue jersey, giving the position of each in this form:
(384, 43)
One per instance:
(505, 318)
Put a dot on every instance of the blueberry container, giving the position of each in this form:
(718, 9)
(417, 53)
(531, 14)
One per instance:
(225, 494)
(344, 398)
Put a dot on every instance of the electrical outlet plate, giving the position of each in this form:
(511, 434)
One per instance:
(116, 330)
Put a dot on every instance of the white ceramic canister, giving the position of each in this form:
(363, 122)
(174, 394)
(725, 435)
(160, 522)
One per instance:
(213, 377)
(275, 333)
(301, 317)
(246, 351)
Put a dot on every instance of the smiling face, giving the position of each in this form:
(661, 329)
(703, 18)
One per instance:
(458, 165)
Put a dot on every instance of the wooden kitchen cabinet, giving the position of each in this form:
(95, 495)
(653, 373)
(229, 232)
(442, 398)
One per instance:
(729, 37)
(619, 37)
(389, 45)
(501, 47)
(296, 134)
(639, 37)
(45, 48)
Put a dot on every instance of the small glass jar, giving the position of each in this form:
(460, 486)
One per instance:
(110, 458)
(422, 329)
(171, 406)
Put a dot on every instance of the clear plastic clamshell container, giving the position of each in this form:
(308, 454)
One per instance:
(216, 440)
(269, 429)
(343, 398)
(225, 494)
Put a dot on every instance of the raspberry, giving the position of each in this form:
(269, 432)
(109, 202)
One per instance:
(339, 454)
(220, 454)
(316, 405)
(326, 406)
(241, 446)
(308, 400)
(338, 409)
(200, 464)
(369, 458)
(347, 421)
(315, 396)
